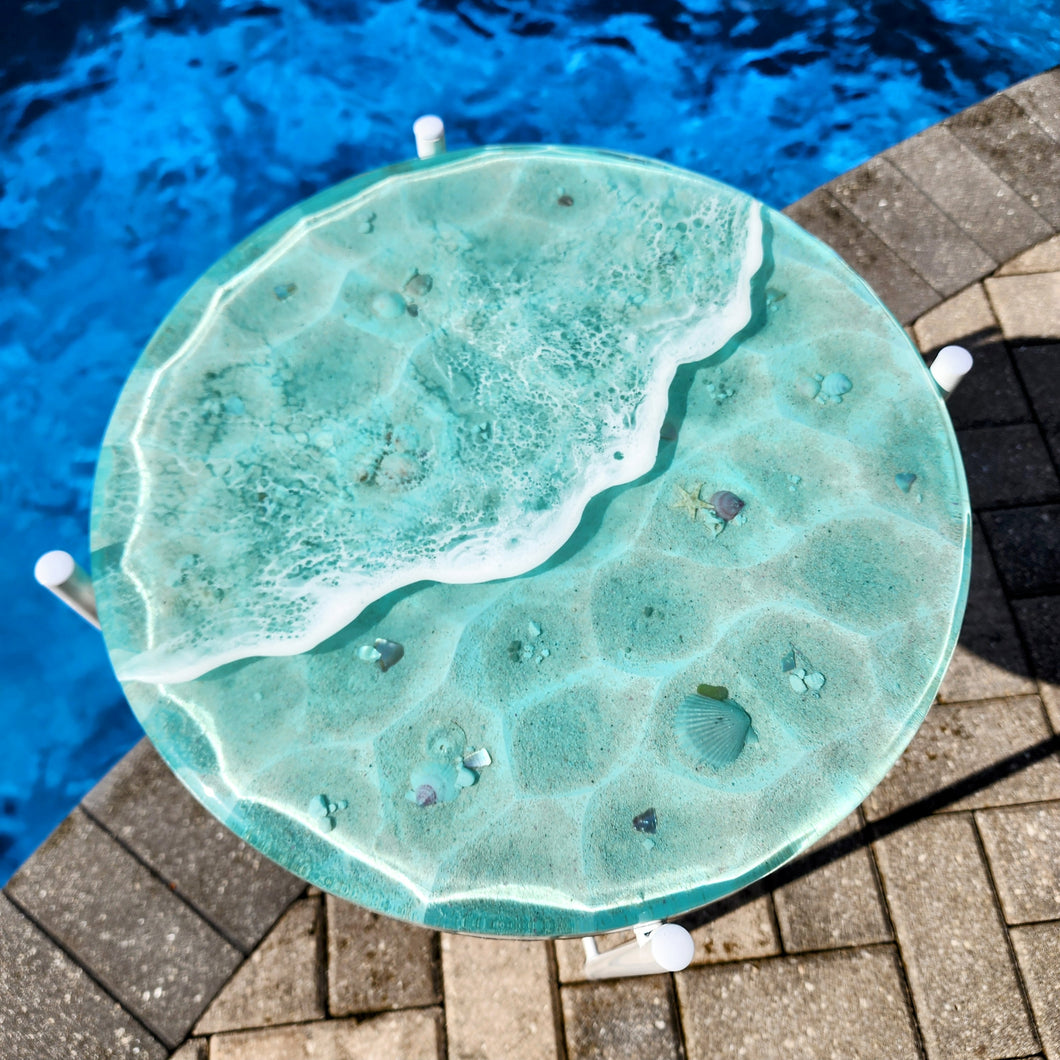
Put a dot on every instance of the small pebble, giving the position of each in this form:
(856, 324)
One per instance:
(815, 681)
(366, 653)
(904, 480)
(318, 806)
(534, 629)
(796, 682)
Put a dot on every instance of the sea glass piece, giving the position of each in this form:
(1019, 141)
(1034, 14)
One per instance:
(437, 398)
(572, 674)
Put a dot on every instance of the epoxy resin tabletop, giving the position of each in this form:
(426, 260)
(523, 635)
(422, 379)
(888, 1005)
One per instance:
(530, 541)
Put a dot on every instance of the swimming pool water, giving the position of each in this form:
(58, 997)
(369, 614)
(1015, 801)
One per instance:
(141, 140)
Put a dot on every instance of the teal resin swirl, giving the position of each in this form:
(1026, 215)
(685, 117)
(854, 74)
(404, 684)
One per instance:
(497, 409)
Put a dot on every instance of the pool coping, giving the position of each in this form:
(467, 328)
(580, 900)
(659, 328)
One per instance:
(130, 918)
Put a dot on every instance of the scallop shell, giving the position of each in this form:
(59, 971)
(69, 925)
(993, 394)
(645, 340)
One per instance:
(712, 731)
(433, 782)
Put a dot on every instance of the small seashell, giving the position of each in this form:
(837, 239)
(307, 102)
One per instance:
(711, 730)
(726, 504)
(390, 653)
(419, 285)
(433, 782)
(835, 384)
(565, 200)
(477, 759)
(815, 681)
(646, 821)
(904, 480)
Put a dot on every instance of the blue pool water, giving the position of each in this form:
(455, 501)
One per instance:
(141, 140)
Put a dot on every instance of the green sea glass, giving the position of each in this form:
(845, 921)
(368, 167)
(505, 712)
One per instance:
(530, 541)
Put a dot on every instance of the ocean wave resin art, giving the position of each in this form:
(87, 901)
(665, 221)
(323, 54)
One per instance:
(483, 507)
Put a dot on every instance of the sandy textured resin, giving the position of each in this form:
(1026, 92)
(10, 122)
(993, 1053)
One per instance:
(502, 409)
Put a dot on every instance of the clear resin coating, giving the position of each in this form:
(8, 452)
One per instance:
(531, 541)
(428, 380)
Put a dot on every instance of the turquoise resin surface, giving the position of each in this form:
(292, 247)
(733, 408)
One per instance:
(484, 407)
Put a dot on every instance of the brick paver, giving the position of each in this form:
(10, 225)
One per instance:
(412, 1035)
(836, 905)
(1008, 466)
(989, 660)
(51, 1010)
(1019, 150)
(1022, 846)
(281, 982)
(1042, 257)
(125, 930)
(991, 395)
(959, 741)
(847, 1003)
(1026, 543)
(498, 999)
(143, 804)
(1039, 621)
(961, 975)
(621, 1019)
(1037, 949)
(137, 938)
(1027, 306)
(978, 201)
(904, 218)
(377, 963)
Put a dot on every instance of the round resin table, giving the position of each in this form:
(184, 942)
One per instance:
(530, 541)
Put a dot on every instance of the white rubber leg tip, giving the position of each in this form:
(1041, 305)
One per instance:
(950, 366)
(429, 131)
(672, 947)
(54, 569)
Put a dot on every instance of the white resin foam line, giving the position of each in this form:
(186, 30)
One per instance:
(557, 530)
(218, 301)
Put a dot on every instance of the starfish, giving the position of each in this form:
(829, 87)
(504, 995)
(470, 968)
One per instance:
(690, 501)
